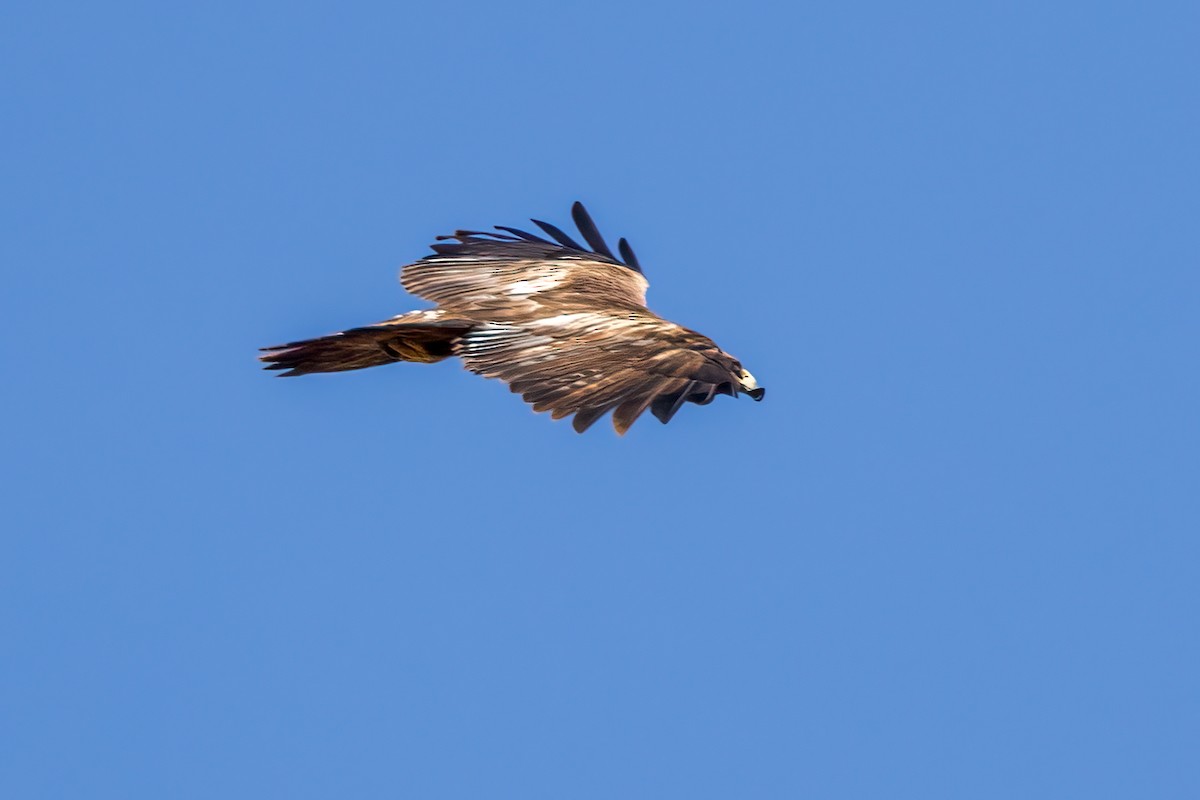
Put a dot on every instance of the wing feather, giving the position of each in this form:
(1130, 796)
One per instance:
(587, 364)
(526, 235)
(505, 285)
(583, 221)
(628, 254)
(518, 272)
(565, 327)
(628, 412)
(558, 235)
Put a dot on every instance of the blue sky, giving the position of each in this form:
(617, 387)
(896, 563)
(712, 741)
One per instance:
(952, 554)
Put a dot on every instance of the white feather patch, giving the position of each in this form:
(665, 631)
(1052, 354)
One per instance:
(542, 283)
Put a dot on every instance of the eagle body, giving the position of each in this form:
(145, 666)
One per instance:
(566, 327)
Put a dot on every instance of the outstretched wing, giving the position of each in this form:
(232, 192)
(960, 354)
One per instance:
(590, 363)
(517, 273)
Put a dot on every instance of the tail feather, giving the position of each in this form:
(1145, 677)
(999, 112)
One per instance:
(370, 346)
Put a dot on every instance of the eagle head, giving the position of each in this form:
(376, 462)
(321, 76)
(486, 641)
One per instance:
(748, 385)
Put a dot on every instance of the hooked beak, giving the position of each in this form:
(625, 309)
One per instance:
(750, 386)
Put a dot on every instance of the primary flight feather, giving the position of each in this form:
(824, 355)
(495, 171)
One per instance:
(564, 326)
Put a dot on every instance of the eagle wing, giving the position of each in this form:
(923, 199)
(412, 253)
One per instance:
(516, 274)
(588, 363)
(564, 324)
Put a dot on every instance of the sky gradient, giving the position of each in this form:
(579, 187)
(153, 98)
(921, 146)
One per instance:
(952, 554)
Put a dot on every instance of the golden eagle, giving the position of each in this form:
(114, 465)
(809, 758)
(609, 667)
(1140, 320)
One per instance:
(564, 326)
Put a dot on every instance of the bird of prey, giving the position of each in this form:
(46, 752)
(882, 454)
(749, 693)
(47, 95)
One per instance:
(565, 326)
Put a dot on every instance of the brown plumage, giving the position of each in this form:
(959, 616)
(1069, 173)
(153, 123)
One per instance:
(564, 326)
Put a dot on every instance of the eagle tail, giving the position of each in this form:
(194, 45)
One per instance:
(370, 346)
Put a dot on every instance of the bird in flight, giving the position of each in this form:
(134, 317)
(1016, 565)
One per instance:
(565, 326)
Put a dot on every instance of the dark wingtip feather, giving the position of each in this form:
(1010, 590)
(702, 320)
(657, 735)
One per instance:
(704, 397)
(558, 235)
(583, 221)
(667, 405)
(526, 235)
(661, 407)
(587, 417)
(628, 412)
(627, 254)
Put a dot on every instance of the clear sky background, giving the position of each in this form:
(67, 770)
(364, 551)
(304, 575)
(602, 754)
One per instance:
(952, 554)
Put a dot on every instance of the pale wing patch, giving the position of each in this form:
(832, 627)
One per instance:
(563, 320)
(543, 283)
(492, 337)
(426, 315)
(507, 284)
